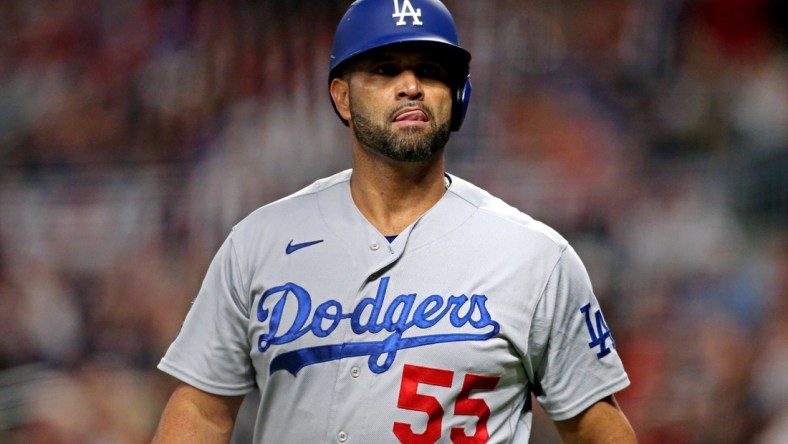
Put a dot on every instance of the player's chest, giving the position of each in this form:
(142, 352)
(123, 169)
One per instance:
(411, 307)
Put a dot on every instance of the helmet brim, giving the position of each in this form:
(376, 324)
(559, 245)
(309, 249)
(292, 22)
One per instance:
(456, 58)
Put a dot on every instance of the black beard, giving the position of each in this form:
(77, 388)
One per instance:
(404, 145)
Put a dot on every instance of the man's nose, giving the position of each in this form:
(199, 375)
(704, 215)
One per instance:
(409, 86)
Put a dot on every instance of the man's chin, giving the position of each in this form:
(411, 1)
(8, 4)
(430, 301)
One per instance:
(411, 153)
(403, 143)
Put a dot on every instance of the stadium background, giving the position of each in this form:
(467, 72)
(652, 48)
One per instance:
(135, 133)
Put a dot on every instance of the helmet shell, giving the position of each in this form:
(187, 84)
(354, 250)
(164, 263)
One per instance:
(373, 24)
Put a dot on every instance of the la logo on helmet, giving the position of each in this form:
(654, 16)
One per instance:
(407, 10)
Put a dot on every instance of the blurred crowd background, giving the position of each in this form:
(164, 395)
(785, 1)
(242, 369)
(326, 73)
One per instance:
(135, 133)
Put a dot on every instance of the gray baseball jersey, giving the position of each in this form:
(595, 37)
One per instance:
(441, 335)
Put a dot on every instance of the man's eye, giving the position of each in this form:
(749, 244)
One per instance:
(431, 72)
(386, 70)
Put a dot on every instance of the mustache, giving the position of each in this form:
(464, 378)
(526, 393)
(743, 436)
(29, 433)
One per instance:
(412, 104)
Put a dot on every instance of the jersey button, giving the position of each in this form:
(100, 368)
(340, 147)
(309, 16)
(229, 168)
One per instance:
(355, 372)
(374, 246)
(342, 436)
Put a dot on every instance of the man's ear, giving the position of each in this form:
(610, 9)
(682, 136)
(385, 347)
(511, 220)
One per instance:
(340, 94)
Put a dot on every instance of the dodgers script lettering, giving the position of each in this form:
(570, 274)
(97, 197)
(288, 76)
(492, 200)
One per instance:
(395, 324)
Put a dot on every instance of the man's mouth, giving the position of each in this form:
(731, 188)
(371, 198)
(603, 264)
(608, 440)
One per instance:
(411, 116)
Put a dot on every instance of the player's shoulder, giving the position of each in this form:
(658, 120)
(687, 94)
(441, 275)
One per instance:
(500, 215)
(300, 207)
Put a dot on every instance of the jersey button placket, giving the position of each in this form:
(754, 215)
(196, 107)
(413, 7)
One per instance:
(342, 436)
(355, 372)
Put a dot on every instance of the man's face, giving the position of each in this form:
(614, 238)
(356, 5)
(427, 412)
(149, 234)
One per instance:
(400, 104)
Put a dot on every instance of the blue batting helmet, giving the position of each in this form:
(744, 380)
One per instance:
(372, 24)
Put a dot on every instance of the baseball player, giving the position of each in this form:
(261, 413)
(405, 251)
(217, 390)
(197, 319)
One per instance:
(395, 303)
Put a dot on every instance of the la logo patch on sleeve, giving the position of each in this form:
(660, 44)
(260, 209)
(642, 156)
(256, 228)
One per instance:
(598, 331)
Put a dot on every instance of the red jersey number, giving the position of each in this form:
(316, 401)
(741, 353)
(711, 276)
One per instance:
(410, 399)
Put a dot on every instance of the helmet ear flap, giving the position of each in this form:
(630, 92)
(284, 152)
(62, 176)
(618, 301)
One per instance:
(462, 97)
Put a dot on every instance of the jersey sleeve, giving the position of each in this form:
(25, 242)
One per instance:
(211, 351)
(571, 347)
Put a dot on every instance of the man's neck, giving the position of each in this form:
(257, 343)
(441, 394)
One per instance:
(392, 195)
